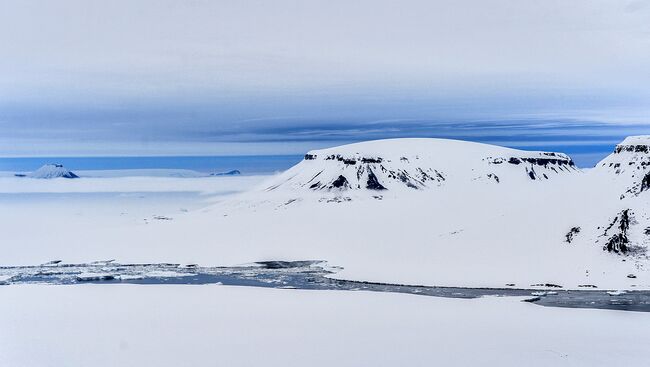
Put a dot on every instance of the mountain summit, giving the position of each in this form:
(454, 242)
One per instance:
(52, 171)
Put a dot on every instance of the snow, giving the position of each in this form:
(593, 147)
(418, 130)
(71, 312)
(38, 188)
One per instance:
(468, 230)
(124, 325)
(124, 184)
(417, 164)
(636, 140)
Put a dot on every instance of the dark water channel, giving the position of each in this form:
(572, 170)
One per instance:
(299, 275)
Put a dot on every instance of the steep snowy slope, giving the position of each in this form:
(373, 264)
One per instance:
(415, 164)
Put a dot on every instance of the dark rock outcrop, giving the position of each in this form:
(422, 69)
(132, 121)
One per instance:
(340, 183)
(619, 242)
(373, 183)
(571, 234)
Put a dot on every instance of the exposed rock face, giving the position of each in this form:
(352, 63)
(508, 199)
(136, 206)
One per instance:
(53, 171)
(340, 183)
(645, 183)
(630, 165)
(554, 162)
(367, 173)
(572, 233)
(372, 183)
(625, 235)
(619, 242)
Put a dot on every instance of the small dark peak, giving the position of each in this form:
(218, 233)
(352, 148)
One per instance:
(404, 159)
(315, 186)
(571, 234)
(310, 157)
(514, 160)
(340, 183)
(493, 177)
(373, 182)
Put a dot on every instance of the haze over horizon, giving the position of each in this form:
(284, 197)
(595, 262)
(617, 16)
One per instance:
(223, 77)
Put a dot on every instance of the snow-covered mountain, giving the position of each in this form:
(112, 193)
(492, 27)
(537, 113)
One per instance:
(52, 171)
(625, 174)
(450, 212)
(628, 165)
(417, 164)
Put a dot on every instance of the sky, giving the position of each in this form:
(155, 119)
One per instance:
(136, 77)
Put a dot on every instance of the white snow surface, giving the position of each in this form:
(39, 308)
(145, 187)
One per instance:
(636, 140)
(466, 230)
(129, 325)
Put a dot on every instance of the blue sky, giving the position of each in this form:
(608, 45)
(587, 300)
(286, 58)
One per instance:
(134, 77)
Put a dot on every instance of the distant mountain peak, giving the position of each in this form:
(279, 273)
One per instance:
(52, 171)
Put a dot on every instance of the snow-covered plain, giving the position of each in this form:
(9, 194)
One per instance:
(123, 325)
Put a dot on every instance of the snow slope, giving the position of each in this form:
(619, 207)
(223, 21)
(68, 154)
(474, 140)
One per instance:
(123, 325)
